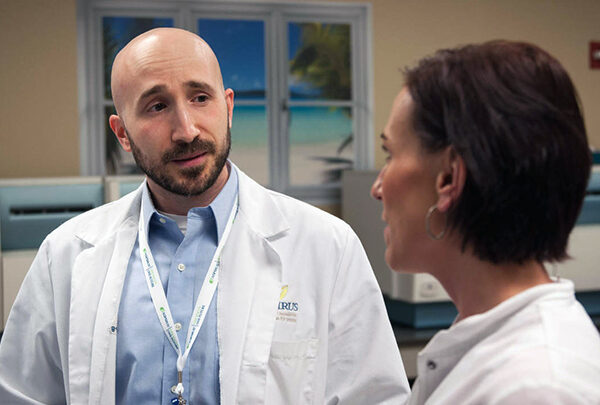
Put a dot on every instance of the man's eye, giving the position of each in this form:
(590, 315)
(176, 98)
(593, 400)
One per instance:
(158, 107)
(201, 98)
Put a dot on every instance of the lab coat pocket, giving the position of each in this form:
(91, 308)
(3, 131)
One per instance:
(292, 367)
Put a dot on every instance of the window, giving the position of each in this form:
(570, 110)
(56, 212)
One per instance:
(300, 73)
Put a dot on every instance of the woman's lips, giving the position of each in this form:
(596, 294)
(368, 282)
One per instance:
(192, 160)
(386, 235)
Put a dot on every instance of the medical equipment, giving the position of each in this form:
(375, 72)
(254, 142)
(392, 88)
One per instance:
(29, 210)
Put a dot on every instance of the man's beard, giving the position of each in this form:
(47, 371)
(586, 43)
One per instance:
(195, 181)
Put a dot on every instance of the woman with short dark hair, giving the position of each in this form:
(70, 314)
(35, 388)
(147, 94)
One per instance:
(486, 174)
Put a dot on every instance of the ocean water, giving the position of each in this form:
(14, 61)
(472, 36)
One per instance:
(308, 125)
(316, 134)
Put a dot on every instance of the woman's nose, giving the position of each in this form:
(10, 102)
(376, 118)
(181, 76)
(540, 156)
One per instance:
(376, 187)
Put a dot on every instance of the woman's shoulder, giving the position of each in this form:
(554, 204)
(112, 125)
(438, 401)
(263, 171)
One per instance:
(551, 343)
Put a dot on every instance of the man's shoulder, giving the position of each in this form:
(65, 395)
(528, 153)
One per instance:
(99, 221)
(299, 215)
(297, 210)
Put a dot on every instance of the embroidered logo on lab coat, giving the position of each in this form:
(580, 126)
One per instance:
(286, 310)
(284, 291)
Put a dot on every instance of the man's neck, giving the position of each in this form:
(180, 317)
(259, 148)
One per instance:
(172, 203)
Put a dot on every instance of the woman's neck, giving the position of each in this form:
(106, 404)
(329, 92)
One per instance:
(477, 286)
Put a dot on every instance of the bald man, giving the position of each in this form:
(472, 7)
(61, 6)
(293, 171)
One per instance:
(201, 287)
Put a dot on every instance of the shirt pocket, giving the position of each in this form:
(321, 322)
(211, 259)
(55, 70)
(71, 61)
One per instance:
(291, 372)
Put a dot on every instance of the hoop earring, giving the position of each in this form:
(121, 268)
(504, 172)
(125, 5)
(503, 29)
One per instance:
(440, 235)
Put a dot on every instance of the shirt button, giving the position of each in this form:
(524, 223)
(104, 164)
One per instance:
(181, 267)
(431, 365)
(177, 326)
(162, 220)
(174, 389)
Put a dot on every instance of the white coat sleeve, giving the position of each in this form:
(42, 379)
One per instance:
(30, 365)
(553, 393)
(364, 364)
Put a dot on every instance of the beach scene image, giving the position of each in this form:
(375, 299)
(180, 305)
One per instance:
(317, 121)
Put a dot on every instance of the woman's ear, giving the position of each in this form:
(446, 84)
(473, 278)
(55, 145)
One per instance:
(451, 179)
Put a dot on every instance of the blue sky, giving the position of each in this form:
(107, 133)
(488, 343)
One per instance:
(239, 46)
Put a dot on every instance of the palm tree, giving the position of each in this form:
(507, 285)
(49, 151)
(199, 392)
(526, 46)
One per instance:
(323, 60)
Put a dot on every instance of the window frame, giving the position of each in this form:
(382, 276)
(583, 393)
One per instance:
(275, 15)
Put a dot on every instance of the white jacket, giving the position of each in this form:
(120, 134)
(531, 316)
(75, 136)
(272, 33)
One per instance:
(332, 343)
(537, 347)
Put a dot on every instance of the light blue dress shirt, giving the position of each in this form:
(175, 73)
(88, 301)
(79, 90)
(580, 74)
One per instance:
(146, 362)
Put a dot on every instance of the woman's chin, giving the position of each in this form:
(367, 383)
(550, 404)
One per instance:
(399, 263)
(391, 261)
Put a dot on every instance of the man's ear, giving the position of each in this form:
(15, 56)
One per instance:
(229, 100)
(116, 124)
(450, 181)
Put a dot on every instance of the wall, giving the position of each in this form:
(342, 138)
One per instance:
(39, 132)
(405, 31)
(39, 128)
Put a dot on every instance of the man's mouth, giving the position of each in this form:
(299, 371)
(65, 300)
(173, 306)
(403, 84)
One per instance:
(189, 160)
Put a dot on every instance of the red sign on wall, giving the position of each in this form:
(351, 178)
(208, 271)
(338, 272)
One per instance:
(595, 55)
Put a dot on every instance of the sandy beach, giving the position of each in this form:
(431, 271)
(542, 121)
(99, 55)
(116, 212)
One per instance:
(306, 164)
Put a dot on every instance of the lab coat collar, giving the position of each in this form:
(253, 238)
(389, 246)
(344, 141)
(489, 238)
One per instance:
(461, 336)
(262, 213)
(102, 227)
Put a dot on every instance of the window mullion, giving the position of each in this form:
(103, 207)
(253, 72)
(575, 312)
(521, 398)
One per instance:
(98, 132)
(185, 19)
(279, 131)
(362, 93)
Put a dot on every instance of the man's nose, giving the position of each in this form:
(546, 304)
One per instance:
(376, 187)
(184, 128)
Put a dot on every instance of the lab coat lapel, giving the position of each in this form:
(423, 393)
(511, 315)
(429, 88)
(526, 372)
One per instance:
(96, 285)
(89, 273)
(249, 289)
(104, 348)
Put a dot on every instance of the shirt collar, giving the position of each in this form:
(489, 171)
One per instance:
(223, 203)
(221, 206)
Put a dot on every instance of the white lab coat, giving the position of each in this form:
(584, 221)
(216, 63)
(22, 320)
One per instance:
(537, 347)
(331, 343)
